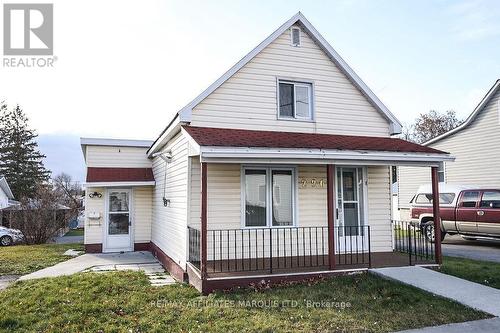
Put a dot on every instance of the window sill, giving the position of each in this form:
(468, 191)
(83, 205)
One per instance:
(297, 120)
(265, 227)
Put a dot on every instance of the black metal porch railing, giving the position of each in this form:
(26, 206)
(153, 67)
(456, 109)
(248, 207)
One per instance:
(410, 239)
(194, 247)
(271, 250)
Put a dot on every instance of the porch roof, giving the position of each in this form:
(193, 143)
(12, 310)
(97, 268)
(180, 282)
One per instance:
(119, 176)
(226, 145)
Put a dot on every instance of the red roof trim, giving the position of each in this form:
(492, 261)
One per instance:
(96, 175)
(225, 137)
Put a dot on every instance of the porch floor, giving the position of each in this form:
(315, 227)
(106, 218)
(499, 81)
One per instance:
(300, 264)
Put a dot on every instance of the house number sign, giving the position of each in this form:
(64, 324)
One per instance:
(312, 182)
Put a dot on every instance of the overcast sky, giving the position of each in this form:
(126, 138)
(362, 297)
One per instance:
(125, 67)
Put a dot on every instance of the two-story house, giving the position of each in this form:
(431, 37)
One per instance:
(476, 146)
(279, 170)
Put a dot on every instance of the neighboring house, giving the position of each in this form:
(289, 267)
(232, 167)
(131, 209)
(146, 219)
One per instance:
(6, 196)
(279, 170)
(476, 146)
(6, 200)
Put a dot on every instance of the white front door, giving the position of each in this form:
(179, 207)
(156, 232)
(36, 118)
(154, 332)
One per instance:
(350, 232)
(118, 228)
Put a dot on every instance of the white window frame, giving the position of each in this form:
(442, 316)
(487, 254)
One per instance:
(291, 36)
(269, 198)
(442, 171)
(296, 83)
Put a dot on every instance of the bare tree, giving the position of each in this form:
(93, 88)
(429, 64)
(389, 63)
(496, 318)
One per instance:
(41, 217)
(68, 190)
(430, 125)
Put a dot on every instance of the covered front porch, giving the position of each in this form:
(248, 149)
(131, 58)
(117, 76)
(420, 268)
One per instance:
(278, 214)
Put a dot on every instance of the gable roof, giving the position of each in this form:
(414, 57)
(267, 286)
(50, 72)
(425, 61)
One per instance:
(395, 124)
(6, 188)
(226, 137)
(480, 107)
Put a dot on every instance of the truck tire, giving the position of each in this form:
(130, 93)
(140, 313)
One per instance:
(429, 232)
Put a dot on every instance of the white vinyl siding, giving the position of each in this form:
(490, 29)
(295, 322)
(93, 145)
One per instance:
(141, 219)
(248, 99)
(118, 157)
(379, 208)
(409, 180)
(143, 213)
(476, 149)
(94, 227)
(168, 229)
(224, 200)
(477, 152)
(4, 200)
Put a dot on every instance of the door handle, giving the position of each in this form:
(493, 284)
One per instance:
(480, 212)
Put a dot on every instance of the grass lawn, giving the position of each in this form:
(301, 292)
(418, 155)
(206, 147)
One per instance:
(484, 272)
(74, 232)
(125, 302)
(24, 259)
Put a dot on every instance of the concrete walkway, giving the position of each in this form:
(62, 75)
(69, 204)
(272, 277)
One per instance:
(7, 280)
(471, 294)
(86, 261)
(69, 240)
(483, 326)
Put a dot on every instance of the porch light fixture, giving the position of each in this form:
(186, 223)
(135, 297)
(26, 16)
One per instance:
(95, 195)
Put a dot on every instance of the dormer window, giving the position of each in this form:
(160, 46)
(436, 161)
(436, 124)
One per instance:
(295, 36)
(294, 100)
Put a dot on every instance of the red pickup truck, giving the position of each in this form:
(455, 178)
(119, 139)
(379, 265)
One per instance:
(471, 212)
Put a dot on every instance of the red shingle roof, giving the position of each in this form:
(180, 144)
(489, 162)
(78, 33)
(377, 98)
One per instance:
(205, 136)
(95, 175)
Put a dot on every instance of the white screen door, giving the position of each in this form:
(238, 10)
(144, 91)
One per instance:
(350, 232)
(118, 221)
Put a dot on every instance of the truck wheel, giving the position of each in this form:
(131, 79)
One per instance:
(429, 232)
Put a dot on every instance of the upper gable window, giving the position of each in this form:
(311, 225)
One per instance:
(295, 36)
(294, 100)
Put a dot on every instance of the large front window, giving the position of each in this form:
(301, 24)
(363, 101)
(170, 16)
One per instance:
(269, 197)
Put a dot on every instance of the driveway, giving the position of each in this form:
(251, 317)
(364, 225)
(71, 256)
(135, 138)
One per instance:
(456, 246)
(69, 240)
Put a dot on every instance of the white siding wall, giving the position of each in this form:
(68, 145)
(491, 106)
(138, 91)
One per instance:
(94, 228)
(169, 223)
(477, 152)
(248, 99)
(224, 205)
(195, 193)
(409, 180)
(141, 220)
(122, 157)
(4, 200)
(379, 208)
(143, 214)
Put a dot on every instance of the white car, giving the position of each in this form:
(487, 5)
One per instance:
(10, 236)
